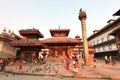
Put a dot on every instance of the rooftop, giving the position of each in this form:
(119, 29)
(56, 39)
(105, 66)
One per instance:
(31, 33)
(117, 13)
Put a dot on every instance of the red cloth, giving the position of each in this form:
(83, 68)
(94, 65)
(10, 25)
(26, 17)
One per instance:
(67, 63)
(20, 65)
(76, 64)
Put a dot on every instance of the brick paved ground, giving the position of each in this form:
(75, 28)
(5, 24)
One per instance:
(97, 70)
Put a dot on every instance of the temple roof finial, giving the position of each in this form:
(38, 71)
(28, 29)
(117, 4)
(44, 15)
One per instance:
(13, 34)
(9, 31)
(59, 26)
(4, 31)
(33, 28)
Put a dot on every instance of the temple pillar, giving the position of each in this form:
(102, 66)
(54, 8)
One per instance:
(56, 54)
(33, 55)
(82, 18)
(63, 53)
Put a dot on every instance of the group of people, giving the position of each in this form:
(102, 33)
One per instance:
(109, 59)
(8, 61)
(32, 61)
(75, 64)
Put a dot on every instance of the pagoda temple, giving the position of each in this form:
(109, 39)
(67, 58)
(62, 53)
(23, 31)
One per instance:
(60, 45)
(30, 45)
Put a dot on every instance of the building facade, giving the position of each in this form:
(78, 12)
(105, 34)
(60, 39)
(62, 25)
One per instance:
(103, 42)
(29, 46)
(6, 51)
(116, 32)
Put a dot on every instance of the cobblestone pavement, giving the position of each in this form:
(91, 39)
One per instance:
(57, 71)
(31, 77)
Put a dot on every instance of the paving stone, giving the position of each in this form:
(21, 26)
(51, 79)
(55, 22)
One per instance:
(94, 70)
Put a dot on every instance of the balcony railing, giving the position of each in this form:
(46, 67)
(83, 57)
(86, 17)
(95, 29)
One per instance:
(104, 43)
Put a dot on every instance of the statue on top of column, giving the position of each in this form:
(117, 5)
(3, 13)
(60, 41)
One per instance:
(82, 14)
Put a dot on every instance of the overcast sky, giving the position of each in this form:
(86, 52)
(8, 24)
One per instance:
(50, 14)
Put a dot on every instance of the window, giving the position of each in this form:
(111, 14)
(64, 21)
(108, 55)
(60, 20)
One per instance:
(93, 42)
(98, 49)
(108, 37)
(90, 43)
(103, 48)
(110, 47)
(102, 40)
(97, 41)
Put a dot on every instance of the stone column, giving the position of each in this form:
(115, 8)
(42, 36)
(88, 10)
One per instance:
(82, 17)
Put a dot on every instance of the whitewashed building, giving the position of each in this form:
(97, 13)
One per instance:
(103, 42)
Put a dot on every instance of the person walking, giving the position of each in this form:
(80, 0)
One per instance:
(113, 61)
(76, 66)
(106, 59)
(41, 58)
(67, 63)
(110, 59)
(20, 64)
(4, 63)
(31, 64)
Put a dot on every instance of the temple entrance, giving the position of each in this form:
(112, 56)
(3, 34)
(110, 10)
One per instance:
(60, 52)
(28, 54)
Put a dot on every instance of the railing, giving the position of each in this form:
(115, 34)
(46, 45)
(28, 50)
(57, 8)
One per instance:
(104, 43)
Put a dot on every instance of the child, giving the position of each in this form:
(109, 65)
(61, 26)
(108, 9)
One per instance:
(4, 63)
(20, 65)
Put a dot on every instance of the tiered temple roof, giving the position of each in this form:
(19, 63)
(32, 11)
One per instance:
(31, 38)
(59, 32)
(31, 33)
(60, 36)
(10, 36)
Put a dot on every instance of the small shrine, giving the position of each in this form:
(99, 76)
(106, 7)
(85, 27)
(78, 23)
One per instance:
(78, 50)
(6, 51)
(30, 45)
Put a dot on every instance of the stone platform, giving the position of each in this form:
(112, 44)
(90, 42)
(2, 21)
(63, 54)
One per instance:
(98, 70)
